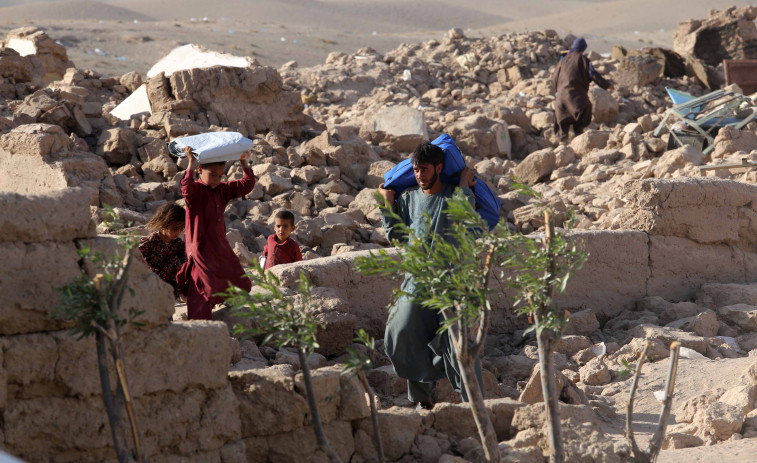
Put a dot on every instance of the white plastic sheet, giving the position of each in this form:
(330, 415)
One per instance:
(599, 349)
(687, 353)
(731, 342)
(215, 146)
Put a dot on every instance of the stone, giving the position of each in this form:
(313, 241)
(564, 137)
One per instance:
(275, 184)
(582, 323)
(638, 71)
(160, 168)
(679, 204)
(131, 80)
(15, 66)
(730, 140)
(399, 427)
(605, 106)
(308, 174)
(679, 310)
(672, 161)
(595, 372)
(337, 333)
(287, 356)
(251, 97)
(742, 397)
(385, 381)
(481, 135)
(668, 335)
(428, 448)
(455, 419)
(654, 304)
(588, 141)
(720, 421)
(268, 403)
(117, 146)
(535, 167)
(680, 440)
(51, 55)
(61, 215)
(570, 344)
(725, 294)
(726, 34)
(566, 390)
(376, 171)
(403, 122)
(705, 324)
(742, 315)
(532, 416)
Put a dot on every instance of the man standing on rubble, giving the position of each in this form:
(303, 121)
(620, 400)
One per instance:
(573, 75)
(419, 353)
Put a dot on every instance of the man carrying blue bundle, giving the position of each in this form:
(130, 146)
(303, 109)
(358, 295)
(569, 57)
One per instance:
(573, 75)
(418, 353)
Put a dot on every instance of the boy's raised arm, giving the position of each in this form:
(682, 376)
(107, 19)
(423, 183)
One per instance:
(237, 188)
(188, 180)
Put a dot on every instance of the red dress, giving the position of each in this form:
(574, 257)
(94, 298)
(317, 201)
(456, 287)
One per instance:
(280, 253)
(211, 264)
(163, 258)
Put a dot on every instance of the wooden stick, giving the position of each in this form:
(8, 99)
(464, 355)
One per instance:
(655, 444)
(639, 456)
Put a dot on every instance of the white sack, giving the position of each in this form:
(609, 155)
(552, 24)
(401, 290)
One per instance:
(215, 146)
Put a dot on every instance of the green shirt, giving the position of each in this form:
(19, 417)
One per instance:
(414, 203)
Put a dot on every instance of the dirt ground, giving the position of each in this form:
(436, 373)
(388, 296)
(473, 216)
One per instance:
(115, 37)
(693, 378)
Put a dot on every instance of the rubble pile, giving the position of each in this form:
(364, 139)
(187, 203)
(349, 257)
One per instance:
(325, 135)
(672, 254)
(726, 34)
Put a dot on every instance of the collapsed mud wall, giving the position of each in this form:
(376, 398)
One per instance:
(671, 237)
(50, 398)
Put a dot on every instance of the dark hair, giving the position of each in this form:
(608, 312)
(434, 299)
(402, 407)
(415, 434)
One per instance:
(167, 214)
(285, 215)
(427, 153)
(214, 164)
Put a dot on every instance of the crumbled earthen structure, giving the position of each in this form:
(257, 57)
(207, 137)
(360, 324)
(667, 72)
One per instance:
(672, 254)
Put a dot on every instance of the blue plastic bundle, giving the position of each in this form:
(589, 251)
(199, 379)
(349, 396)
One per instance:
(401, 177)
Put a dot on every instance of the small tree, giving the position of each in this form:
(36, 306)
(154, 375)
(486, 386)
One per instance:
(452, 277)
(655, 443)
(285, 321)
(539, 269)
(92, 302)
(358, 363)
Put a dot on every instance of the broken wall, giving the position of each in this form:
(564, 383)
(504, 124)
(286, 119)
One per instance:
(673, 236)
(50, 401)
(250, 100)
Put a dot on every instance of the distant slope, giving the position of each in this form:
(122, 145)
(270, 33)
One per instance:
(69, 10)
(348, 15)
(601, 17)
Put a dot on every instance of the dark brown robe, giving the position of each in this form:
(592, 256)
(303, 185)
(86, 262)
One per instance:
(572, 104)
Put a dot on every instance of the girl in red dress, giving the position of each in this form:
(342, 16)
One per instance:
(163, 251)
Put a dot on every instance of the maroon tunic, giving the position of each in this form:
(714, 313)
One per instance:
(280, 253)
(211, 263)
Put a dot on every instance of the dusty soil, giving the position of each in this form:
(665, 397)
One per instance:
(740, 451)
(693, 378)
(116, 37)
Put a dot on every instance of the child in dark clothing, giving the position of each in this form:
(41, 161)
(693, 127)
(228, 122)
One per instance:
(280, 248)
(163, 251)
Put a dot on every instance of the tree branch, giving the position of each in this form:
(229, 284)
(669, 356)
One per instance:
(119, 285)
(638, 455)
(655, 444)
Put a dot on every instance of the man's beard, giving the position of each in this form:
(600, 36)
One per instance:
(432, 181)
